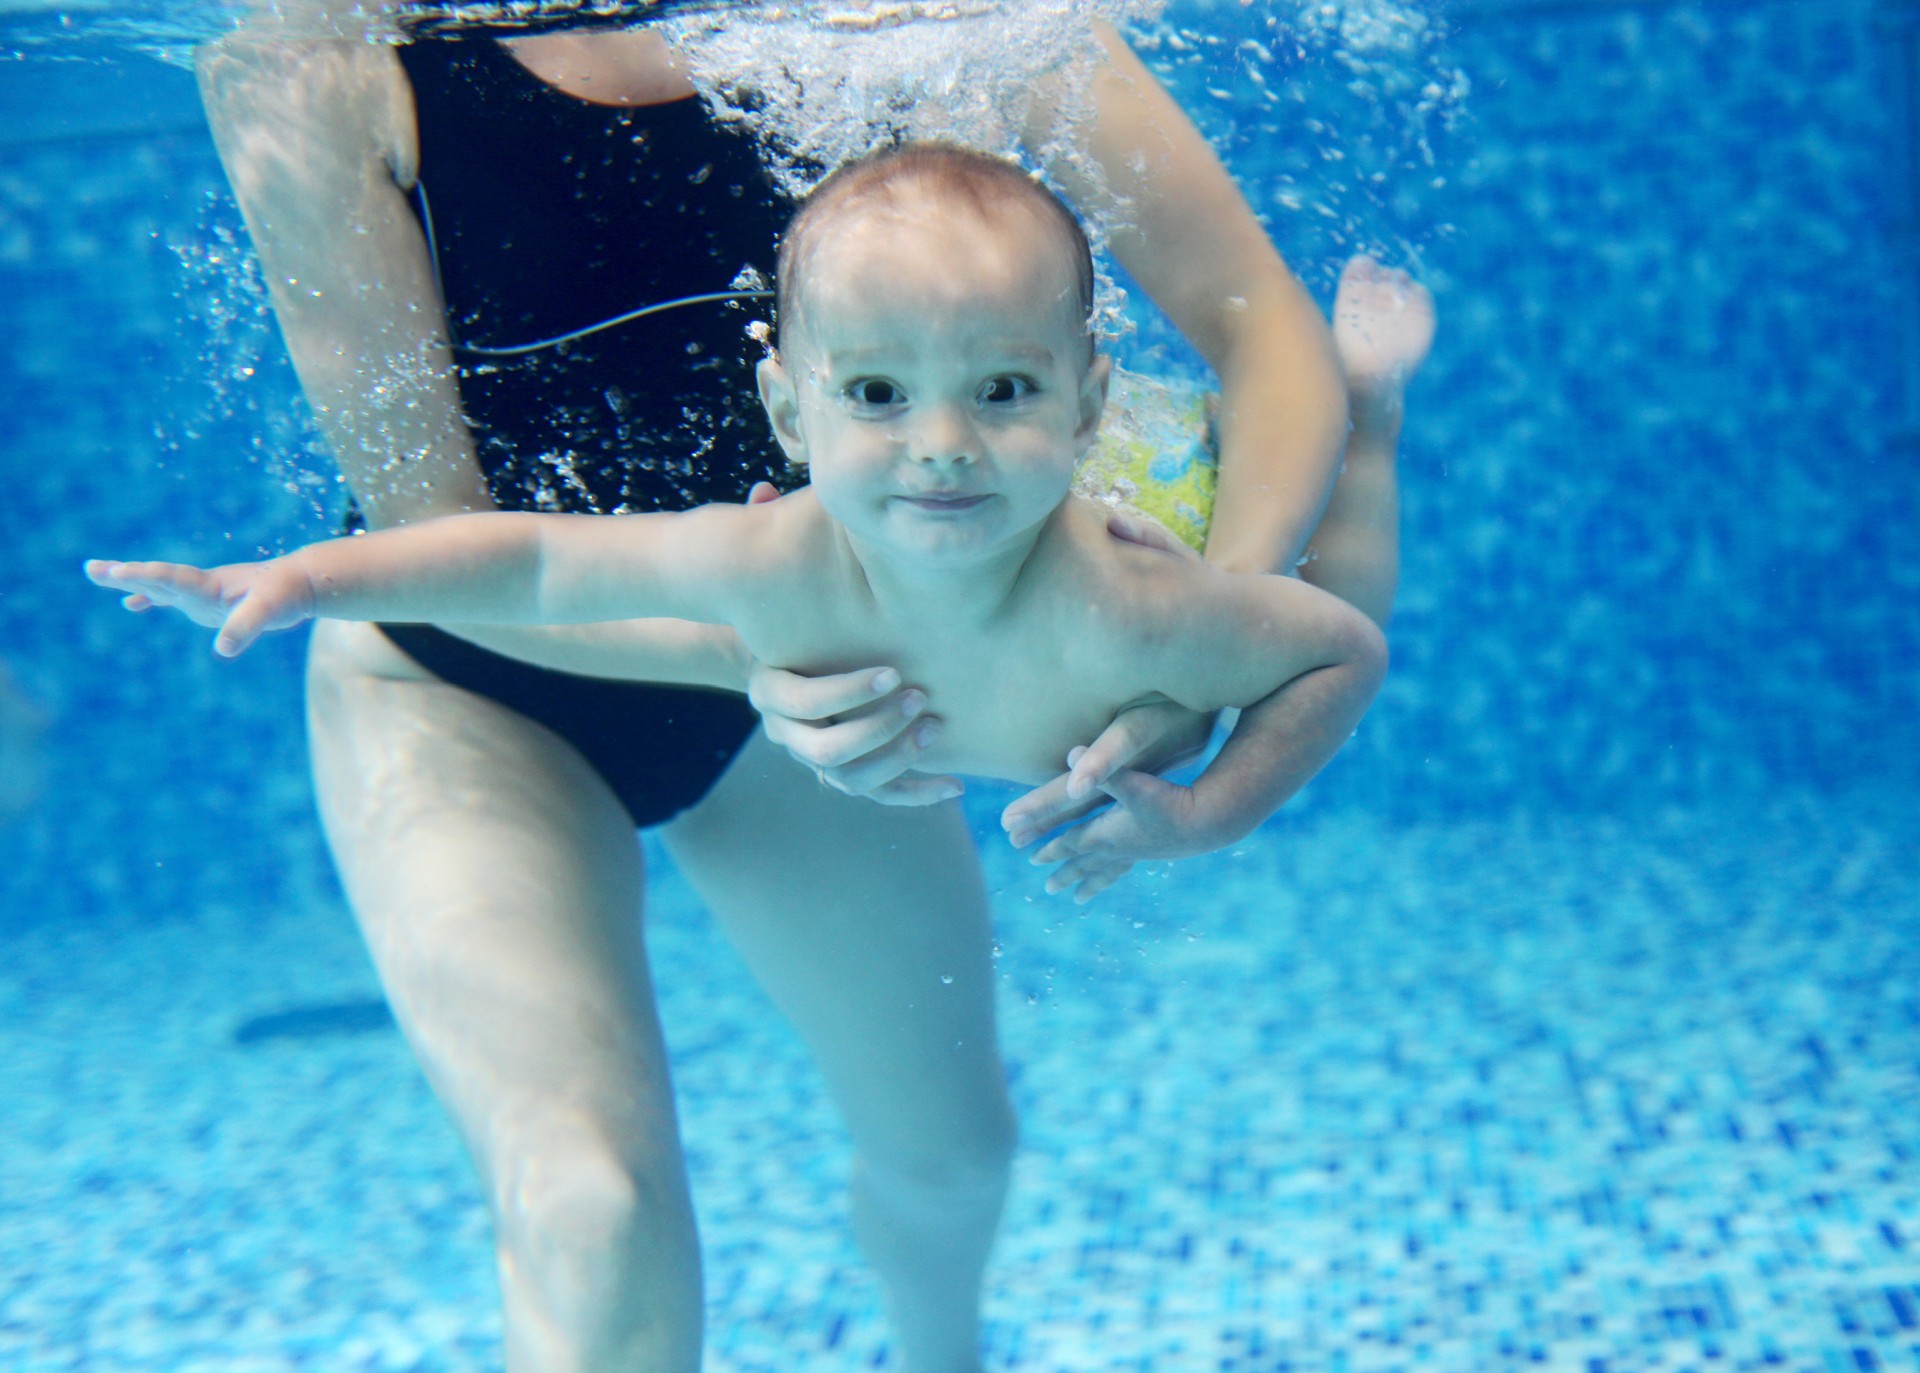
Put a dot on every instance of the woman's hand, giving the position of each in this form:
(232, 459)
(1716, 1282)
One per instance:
(860, 732)
(1141, 741)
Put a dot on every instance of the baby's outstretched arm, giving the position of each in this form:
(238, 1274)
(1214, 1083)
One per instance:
(478, 569)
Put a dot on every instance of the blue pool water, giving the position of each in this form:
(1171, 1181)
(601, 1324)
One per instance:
(1571, 1020)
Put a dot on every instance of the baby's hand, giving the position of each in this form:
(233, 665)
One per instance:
(1149, 819)
(245, 600)
(1155, 736)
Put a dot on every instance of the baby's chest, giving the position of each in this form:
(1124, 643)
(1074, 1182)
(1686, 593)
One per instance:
(1011, 698)
(1009, 719)
(1011, 704)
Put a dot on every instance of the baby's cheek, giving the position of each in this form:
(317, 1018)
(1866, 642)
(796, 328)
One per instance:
(848, 501)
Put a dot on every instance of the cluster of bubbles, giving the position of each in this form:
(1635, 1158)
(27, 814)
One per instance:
(1340, 118)
(246, 397)
(1335, 115)
(822, 84)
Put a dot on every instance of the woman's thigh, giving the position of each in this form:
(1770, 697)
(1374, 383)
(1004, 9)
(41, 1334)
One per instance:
(498, 884)
(869, 928)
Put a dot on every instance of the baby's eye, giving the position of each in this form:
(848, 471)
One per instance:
(1006, 390)
(874, 393)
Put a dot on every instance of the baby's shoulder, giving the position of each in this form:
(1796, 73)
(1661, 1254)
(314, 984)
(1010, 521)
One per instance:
(1134, 586)
(785, 557)
(781, 536)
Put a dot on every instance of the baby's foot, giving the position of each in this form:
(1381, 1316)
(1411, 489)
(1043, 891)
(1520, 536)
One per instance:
(1382, 329)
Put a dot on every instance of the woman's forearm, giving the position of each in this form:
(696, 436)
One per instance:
(1180, 226)
(1283, 430)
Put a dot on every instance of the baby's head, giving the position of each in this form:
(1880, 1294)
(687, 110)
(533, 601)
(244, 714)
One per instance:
(936, 369)
(987, 199)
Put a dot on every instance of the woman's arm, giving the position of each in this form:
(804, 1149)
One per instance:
(1183, 231)
(319, 142)
(1181, 227)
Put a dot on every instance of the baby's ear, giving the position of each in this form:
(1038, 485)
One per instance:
(781, 400)
(1093, 399)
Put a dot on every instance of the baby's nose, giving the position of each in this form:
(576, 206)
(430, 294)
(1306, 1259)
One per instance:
(945, 435)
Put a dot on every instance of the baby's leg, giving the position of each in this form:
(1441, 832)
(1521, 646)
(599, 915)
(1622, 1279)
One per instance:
(1382, 328)
(868, 926)
(497, 882)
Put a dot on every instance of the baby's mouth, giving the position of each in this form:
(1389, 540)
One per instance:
(947, 500)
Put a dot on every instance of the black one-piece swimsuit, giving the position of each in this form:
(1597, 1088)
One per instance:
(548, 214)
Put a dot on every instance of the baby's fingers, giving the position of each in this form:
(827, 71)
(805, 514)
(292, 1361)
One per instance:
(1078, 791)
(1099, 880)
(1043, 808)
(1119, 746)
(250, 618)
(1091, 873)
(186, 589)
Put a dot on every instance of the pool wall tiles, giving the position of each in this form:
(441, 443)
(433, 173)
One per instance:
(1656, 544)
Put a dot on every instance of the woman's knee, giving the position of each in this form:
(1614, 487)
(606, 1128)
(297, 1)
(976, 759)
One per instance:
(583, 1200)
(950, 1157)
(599, 1263)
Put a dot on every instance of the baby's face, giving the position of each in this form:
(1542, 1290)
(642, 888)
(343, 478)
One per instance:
(939, 382)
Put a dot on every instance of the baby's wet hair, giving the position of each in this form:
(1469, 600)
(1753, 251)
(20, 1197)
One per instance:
(984, 182)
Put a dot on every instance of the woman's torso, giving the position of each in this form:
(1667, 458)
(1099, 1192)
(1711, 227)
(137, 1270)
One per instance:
(547, 214)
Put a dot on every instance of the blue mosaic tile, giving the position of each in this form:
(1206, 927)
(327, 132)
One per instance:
(1569, 1022)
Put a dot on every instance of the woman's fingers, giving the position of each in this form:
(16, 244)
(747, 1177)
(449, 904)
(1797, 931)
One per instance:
(1124, 524)
(859, 731)
(888, 729)
(881, 773)
(794, 697)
